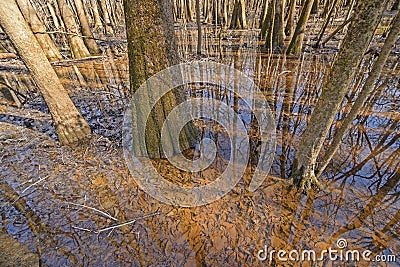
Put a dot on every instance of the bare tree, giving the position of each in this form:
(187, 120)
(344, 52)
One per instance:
(39, 29)
(367, 16)
(86, 31)
(296, 43)
(69, 123)
(362, 97)
(238, 20)
(275, 34)
(76, 43)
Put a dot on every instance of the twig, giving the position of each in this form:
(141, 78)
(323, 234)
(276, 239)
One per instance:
(35, 183)
(68, 62)
(127, 223)
(79, 228)
(91, 208)
(71, 33)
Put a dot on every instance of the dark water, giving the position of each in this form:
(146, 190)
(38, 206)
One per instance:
(67, 204)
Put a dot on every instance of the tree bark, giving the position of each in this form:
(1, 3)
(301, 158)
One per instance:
(367, 17)
(152, 48)
(198, 22)
(96, 14)
(86, 31)
(45, 41)
(69, 123)
(267, 19)
(296, 43)
(76, 43)
(276, 35)
(290, 18)
(362, 97)
(238, 20)
(327, 20)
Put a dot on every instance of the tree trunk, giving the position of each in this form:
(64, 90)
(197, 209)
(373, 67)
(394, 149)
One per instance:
(267, 19)
(276, 35)
(263, 15)
(327, 20)
(366, 90)
(296, 43)
(106, 16)
(290, 18)
(238, 20)
(314, 9)
(78, 47)
(69, 123)
(198, 22)
(367, 17)
(152, 48)
(87, 32)
(396, 5)
(96, 14)
(45, 41)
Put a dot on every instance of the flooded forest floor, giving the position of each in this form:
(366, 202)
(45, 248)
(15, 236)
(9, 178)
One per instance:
(64, 205)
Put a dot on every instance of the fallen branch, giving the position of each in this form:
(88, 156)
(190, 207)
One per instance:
(127, 223)
(114, 226)
(35, 183)
(65, 62)
(94, 209)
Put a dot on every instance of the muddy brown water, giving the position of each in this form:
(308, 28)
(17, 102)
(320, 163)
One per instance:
(64, 206)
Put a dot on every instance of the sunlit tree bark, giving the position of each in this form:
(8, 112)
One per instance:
(296, 43)
(96, 14)
(69, 123)
(86, 31)
(238, 20)
(39, 29)
(76, 43)
(367, 16)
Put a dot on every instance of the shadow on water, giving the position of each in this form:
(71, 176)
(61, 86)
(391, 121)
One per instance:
(79, 206)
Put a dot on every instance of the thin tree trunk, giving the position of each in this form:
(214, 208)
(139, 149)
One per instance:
(264, 12)
(328, 19)
(96, 14)
(367, 17)
(290, 18)
(53, 16)
(314, 9)
(45, 41)
(296, 43)
(268, 20)
(87, 32)
(362, 97)
(198, 22)
(78, 47)
(336, 31)
(238, 20)
(276, 34)
(69, 123)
